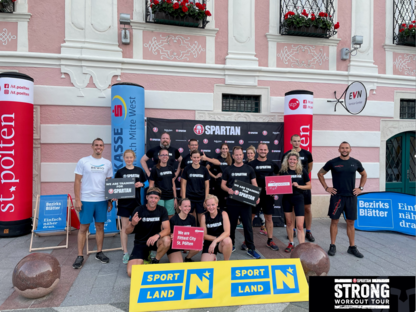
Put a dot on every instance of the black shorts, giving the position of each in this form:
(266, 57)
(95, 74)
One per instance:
(141, 251)
(206, 247)
(339, 203)
(174, 250)
(199, 207)
(266, 205)
(124, 212)
(296, 201)
(307, 195)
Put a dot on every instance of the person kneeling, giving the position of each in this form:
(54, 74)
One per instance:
(183, 218)
(216, 226)
(146, 222)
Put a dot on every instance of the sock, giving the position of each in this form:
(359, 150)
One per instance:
(308, 231)
(292, 243)
(294, 230)
(269, 240)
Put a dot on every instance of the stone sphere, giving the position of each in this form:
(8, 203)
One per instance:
(36, 275)
(314, 259)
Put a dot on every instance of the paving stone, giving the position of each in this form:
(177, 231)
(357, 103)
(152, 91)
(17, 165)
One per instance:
(272, 307)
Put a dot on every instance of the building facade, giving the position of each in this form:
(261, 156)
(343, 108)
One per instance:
(73, 50)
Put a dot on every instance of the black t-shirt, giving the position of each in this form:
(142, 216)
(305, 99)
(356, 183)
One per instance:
(301, 179)
(305, 157)
(163, 179)
(140, 176)
(187, 161)
(215, 226)
(150, 223)
(264, 169)
(343, 174)
(245, 174)
(195, 182)
(154, 153)
(216, 169)
(176, 220)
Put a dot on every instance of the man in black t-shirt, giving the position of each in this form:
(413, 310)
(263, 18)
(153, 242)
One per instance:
(343, 194)
(307, 163)
(244, 173)
(265, 168)
(153, 153)
(146, 223)
(193, 146)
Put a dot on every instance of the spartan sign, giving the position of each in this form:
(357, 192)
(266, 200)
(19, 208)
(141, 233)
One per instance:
(199, 129)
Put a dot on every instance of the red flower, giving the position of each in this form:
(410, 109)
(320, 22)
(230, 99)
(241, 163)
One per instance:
(321, 14)
(204, 5)
(336, 26)
(199, 6)
(156, 2)
(404, 25)
(290, 13)
(151, 6)
(401, 29)
(184, 9)
(414, 22)
(207, 13)
(176, 6)
(169, 1)
(410, 26)
(313, 18)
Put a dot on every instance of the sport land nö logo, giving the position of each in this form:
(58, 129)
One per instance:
(199, 129)
(119, 109)
(294, 104)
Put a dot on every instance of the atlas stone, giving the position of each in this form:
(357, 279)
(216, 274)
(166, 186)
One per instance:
(314, 259)
(36, 275)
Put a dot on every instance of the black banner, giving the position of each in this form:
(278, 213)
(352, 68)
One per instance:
(245, 193)
(211, 134)
(358, 293)
(120, 188)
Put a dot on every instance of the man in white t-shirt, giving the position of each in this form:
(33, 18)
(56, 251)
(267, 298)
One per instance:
(90, 200)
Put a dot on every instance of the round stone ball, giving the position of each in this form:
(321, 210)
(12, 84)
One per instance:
(314, 259)
(36, 275)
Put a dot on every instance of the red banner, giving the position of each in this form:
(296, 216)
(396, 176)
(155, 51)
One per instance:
(188, 238)
(279, 185)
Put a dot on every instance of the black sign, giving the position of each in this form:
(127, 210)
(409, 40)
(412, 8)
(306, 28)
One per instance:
(212, 133)
(358, 293)
(245, 193)
(120, 188)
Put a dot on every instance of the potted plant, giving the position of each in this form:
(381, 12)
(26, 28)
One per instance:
(6, 6)
(179, 13)
(310, 25)
(407, 34)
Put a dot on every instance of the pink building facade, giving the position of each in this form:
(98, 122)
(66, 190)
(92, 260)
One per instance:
(73, 50)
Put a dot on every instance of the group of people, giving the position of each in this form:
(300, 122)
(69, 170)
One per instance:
(204, 200)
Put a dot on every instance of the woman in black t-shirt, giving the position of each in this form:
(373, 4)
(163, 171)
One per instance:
(125, 207)
(183, 218)
(216, 226)
(292, 166)
(163, 177)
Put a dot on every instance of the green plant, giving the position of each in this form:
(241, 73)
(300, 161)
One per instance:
(304, 20)
(407, 31)
(180, 8)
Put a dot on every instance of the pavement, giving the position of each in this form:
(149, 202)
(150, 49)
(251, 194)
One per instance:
(106, 287)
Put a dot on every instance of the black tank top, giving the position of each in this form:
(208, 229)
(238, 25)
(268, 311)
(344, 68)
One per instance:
(215, 225)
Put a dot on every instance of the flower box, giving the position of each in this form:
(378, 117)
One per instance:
(311, 31)
(407, 41)
(163, 18)
(7, 6)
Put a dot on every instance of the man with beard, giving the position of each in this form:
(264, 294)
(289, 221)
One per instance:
(307, 163)
(193, 146)
(265, 168)
(343, 194)
(154, 153)
(89, 188)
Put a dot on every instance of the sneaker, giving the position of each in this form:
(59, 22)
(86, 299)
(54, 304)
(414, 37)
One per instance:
(244, 246)
(289, 247)
(102, 257)
(263, 232)
(152, 254)
(240, 226)
(332, 250)
(253, 254)
(188, 260)
(126, 258)
(354, 251)
(233, 248)
(147, 262)
(272, 246)
(309, 236)
(78, 262)
(294, 235)
(155, 261)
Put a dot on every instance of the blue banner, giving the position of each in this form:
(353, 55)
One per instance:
(386, 211)
(52, 213)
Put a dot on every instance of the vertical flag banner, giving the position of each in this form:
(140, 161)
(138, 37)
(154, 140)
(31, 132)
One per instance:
(298, 118)
(127, 122)
(16, 153)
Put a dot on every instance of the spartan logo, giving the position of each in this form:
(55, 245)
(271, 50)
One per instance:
(199, 129)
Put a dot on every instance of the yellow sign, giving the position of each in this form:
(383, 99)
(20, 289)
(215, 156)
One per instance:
(173, 286)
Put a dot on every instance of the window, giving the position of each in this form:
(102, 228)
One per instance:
(241, 103)
(404, 30)
(158, 13)
(407, 109)
(303, 23)
(6, 6)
